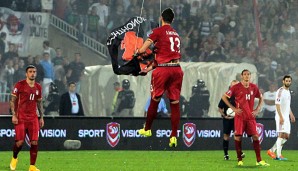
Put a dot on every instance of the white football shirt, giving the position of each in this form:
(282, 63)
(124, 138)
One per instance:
(283, 98)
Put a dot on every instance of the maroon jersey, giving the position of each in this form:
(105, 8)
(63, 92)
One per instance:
(167, 43)
(26, 104)
(244, 98)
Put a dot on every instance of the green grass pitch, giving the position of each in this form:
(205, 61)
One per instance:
(145, 160)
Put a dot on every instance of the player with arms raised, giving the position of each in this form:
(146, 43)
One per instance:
(168, 75)
(245, 93)
(25, 98)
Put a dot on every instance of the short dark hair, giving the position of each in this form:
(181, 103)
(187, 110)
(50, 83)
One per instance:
(46, 53)
(3, 34)
(30, 66)
(287, 76)
(71, 82)
(46, 42)
(244, 71)
(168, 15)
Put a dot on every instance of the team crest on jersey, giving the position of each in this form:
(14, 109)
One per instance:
(37, 92)
(260, 130)
(113, 133)
(251, 92)
(189, 134)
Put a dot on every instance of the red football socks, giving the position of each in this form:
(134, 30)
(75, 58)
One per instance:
(151, 114)
(175, 118)
(257, 148)
(33, 154)
(238, 150)
(16, 150)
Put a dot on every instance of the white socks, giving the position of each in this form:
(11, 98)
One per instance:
(283, 141)
(279, 144)
(273, 149)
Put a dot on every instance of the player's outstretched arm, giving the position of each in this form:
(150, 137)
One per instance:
(145, 46)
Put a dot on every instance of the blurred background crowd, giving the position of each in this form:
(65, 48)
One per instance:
(211, 31)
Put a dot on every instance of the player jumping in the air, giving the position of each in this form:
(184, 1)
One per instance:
(168, 75)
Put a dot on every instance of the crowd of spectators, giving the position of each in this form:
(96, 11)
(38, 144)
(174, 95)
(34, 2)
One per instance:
(211, 30)
(53, 69)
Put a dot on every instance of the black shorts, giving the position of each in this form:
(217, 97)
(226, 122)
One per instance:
(228, 126)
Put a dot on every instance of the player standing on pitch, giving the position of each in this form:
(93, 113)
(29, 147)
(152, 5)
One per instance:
(168, 74)
(283, 114)
(25, 98)
(245, 93)
(228, 122)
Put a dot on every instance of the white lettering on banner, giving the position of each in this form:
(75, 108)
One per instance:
(7, 133)
(26, 30)
(92, 133)
(53, 133)
(165, 133)
(271, 133)
(130, 133)
(37, 28)
(209, 133)
(129, 26)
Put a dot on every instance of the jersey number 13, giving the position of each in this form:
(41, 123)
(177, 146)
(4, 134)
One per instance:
(175, 44)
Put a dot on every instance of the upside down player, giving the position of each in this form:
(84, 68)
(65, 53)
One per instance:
(168, 74)
(26, 96)
(245, 121)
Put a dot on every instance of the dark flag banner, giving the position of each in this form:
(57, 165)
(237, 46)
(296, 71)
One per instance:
(122, 44)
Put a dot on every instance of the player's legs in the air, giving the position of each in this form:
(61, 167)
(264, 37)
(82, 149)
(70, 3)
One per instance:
(157, 90)
(173, 87)
(175, 118)
(173, 142)
(151, 115)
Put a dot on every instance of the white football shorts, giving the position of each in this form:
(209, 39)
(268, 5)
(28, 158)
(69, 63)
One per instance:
(285, 128)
